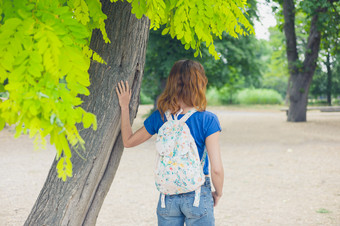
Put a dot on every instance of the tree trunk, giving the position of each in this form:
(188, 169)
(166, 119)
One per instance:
(298, 97)
(78, 200)
(329, 80)
(289, 30)
(301, 74)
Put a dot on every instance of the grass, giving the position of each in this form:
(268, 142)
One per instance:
(323, 210)
(259, 96)
(213, 97)
(245, 97)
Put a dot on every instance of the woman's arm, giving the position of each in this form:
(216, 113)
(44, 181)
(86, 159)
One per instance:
(217, 171)
(130, 139)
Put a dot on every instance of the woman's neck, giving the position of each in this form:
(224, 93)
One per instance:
(185, 107)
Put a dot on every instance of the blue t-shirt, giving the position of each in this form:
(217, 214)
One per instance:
(201, 125)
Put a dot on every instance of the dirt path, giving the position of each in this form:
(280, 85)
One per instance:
(276, 173)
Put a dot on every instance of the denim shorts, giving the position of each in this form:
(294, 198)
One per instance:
(179, 209)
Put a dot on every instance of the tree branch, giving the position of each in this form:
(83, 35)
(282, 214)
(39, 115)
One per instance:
(313, 43)
(289, 30)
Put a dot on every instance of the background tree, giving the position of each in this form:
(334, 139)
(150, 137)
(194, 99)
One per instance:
(329, 55)
(326, 81)
(302, 69)
(46, 49)
(240, 66)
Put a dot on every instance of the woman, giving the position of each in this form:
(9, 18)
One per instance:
(185, 90)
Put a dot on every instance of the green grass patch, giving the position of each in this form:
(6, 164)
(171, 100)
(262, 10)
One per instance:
(244, 97)
(258, 96)
(323, 210)
(213, 97)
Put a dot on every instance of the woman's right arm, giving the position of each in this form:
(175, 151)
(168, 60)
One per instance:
(217, 171)
(130, 139)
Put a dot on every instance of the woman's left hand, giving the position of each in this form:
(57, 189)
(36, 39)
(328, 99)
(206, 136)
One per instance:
(124, 94)
(216, 198)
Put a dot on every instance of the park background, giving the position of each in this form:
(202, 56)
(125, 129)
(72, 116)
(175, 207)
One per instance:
(277, 173)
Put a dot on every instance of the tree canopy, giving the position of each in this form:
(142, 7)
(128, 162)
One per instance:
(45, 57)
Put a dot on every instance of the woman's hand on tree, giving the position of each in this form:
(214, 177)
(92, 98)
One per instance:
(124, 94)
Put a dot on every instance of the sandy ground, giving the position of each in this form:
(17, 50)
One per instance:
(276, 173)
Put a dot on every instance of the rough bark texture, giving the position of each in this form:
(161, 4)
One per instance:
(301, 74)
(289, 29)
(78, 200)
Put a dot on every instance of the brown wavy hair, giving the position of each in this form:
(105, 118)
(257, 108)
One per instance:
(187, 83)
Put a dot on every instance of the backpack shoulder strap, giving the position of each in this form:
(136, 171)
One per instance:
(204, 157)
(168, 115)
(188, 114)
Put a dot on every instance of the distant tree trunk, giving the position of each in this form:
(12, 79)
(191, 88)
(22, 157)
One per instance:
(288, 91)
(298, 97)
(301, 74)
(329, 79)
(78, 200)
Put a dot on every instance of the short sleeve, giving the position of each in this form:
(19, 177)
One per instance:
(152, 123)
(212, 125)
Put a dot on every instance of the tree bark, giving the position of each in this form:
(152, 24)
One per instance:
(329, 79)
(301, 74)
(289, 30)
(78, 200)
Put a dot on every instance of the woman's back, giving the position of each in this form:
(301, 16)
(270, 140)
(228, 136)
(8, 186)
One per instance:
(201, 125)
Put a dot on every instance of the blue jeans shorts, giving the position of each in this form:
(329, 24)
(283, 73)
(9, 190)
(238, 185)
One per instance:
(179, 209)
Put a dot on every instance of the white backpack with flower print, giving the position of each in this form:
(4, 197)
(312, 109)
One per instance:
(178, 166)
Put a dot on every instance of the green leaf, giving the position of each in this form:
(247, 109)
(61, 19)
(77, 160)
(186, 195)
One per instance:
(187, 37)
(33, 109)
(88, 119)
(61, 170)
(165, 31)
(18, 130)
(60, 164)
(2, 88)
(12, 23)
(211, 49)
(68, 167)
(34, 127)
(2, 123)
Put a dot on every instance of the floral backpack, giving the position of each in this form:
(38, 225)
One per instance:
(178, 167)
